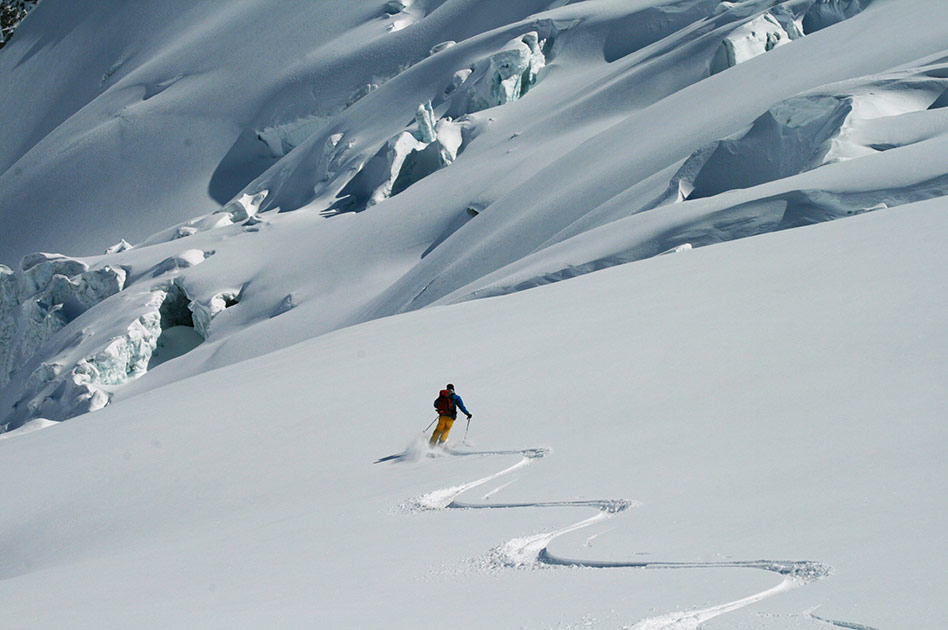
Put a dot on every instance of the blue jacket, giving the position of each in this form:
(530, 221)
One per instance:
(458, 403)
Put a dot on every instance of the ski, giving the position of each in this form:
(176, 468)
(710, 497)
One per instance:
(392, 457)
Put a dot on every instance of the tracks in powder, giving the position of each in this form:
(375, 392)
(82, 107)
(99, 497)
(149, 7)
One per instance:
(533, 551)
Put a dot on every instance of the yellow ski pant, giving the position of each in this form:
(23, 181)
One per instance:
(441, 431)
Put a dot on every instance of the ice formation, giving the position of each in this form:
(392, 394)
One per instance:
(283, 137)
(205, 311)
(125, 357)
(433, 143)
(8, 289)
(425, 120)
(53, 394)
(184, 260)
(47, 293)
(790, 138)
(386, 165)
(684, 247)
(64, 398)
(837, 123)
(23, 330)
(501, 78)
(244, 206)
(824, 13)
(749, 40)
(789, 20)
(407, 158)
(442, 46)
(60, 387)
(782, 24)
(288, 303)
(333, 151)
(402, 13)
(874, 103)
(118, 248)
(396, 6)
(457, 80)
(38, 269)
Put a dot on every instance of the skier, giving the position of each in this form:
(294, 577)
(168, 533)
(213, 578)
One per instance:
(447, 404)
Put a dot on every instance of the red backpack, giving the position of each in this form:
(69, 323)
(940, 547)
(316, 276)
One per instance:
(445, 404)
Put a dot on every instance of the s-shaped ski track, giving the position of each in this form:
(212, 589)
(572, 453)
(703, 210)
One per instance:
(533, 551)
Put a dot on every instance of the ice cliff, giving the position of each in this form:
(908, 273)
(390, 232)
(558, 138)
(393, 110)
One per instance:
(45, 294)
(501, 78)
(60, 362)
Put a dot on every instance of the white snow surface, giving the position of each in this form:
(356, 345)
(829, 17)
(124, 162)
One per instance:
(776, 399)
(315, 214)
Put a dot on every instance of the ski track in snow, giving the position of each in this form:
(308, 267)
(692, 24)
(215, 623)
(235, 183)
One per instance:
(532, 551)
(838, 624)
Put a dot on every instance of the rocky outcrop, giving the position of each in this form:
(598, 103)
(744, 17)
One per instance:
(12, 13)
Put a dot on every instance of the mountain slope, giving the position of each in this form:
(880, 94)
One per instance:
(772, 399)
(385, 168)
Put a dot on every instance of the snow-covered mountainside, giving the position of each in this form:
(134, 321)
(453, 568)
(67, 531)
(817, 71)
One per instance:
(353, 163)
(272, 221)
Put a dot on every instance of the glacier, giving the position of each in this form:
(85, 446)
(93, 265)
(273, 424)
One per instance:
(472, 86)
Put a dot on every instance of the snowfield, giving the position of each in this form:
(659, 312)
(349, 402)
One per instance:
(699, 399)
(774, 400)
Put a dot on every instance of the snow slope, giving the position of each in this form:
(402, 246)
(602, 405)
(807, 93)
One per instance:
(330, 207)
(772, 399)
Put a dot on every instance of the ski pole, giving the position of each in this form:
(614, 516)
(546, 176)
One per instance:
(466, 430)
(425, 430)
